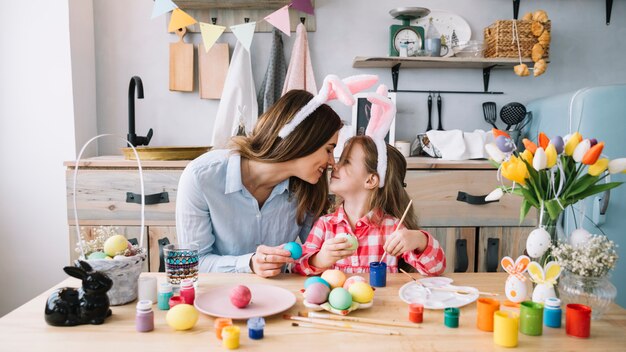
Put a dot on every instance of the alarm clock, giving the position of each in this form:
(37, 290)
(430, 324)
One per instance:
(405, 35)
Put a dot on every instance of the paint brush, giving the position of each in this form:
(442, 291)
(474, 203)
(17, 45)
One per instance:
(317, 315)
(341, 325)
(334, 328)
(406, 211)
(448, 289)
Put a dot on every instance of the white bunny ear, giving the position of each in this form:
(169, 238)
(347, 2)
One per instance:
(536, 273)
(382, 114)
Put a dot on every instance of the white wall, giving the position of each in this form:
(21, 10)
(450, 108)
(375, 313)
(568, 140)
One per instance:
(36, 135)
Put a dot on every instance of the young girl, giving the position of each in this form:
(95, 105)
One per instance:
(370, 209)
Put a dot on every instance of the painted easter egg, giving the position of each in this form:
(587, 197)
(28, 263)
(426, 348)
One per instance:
(317, 293)
(516, 290)
(240, 296)
(538, 242)
(352, 280)
(579, 237)
(351, 239)
(182, 317)
(361, 292)
(558, 144)
(504, 144)
(334, 277)
(97, 255)
(340, 298)
(314, 279)
(115, 244)
(294, 248)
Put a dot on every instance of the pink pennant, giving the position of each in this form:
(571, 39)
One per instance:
(280, 20)
(303, 5)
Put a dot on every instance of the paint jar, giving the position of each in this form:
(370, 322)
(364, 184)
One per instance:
(416, 312)
(220, 324)
(187, 291)
(144, 319)
(147, 288)
(552, 312)
(531, 318)
(451, 317)
(165, 293)
(176, 300)
(578, 320)
(505, 325)
(255, 328)
(378, 274)
(486, 307)
(230, 337)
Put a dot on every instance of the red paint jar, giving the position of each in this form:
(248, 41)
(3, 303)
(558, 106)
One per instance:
(187, 291)
(416, 312)
(175, 300)
(578, 320)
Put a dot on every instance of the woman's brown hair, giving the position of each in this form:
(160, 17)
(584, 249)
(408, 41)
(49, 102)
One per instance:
(265, 145)
(392, 198)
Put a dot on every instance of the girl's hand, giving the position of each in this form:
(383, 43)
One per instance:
(269, 261)
(332, 250)
(404, 240)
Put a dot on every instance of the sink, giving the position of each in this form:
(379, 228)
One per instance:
(165, 153)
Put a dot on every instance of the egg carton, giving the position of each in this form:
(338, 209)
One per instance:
(327, 307)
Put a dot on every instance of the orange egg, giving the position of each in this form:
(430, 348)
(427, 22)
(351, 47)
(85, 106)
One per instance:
(334, 277)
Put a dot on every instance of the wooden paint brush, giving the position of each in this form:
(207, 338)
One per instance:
(341, 325)
(316, 315)
(406, 211)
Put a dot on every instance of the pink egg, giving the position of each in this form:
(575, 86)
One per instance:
(351, 280)
(240, 296)
(316, 293)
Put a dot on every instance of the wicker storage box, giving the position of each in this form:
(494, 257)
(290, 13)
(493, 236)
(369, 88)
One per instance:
(500, 40)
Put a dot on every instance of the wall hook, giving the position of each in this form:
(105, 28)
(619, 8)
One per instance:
(302, 19)
(214, 20)
(246, 19)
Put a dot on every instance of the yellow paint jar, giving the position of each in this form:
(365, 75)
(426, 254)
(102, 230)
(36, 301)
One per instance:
(230, 337)
(505, 326)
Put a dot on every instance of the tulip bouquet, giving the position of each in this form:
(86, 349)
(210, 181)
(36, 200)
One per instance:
(554, 174)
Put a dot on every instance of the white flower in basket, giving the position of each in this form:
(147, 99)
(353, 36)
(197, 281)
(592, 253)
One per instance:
(123, 270)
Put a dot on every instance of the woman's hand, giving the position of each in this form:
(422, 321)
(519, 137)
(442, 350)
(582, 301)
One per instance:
(268, 261)
(332, 250)
(404, 240)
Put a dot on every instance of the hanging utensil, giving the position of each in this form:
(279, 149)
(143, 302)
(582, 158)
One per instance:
(489, 110)
(520, 126)
(430, 112)
(440, 128)
(181, 63)
(512, 114)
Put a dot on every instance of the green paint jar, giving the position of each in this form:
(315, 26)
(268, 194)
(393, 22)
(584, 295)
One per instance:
(531, 318)
(451, 317)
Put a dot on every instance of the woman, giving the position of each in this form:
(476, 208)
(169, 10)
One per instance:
(241, 205)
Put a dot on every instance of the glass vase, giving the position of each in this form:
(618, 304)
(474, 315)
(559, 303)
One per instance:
(550, 225)
(595, 292)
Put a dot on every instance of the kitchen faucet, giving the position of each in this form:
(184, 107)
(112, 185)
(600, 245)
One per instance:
(134, 139)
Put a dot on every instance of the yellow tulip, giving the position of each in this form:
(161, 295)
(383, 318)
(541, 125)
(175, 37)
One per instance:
(572, 142)
(551, 155)
(528, 156)
(599, 167)
(515, 170)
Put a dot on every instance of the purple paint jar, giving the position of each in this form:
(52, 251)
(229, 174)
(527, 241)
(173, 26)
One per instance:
(144, 320)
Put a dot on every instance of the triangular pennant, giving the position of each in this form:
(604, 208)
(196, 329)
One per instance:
(210, 33)
(303, 5)
(244, 33)
(280, 20)
(180, 19)
(162, 6)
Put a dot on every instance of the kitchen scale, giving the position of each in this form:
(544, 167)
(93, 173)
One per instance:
(404, 35)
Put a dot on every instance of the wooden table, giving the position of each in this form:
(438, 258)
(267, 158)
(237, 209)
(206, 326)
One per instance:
(25, 329)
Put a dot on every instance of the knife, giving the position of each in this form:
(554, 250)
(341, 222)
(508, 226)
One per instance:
(430, 111)
(439, 111)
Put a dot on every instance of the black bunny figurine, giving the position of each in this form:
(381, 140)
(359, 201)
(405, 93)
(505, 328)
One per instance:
(89, 304)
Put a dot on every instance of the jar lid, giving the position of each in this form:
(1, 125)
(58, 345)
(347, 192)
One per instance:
(186, 283)
(230, 331)
(256, 323)
(165, 287)
(144, 304)
(552, 302)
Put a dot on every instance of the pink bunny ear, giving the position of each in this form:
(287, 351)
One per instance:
(381, 114)
(337, 89)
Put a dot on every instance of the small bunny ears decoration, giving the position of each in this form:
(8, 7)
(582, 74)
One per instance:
(516, 268)
(332, 88)
(545, 278)
(382, 114)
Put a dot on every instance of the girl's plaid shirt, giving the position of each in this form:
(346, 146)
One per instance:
(371, 236)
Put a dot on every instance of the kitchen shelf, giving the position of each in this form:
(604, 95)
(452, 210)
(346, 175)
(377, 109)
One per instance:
(486, 64)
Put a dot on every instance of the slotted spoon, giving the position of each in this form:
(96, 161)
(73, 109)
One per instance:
(512, 114)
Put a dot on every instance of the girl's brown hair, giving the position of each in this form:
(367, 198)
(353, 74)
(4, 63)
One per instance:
(392, 198)
(315, 131)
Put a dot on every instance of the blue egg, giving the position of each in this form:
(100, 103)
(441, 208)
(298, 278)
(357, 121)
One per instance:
(314, 279)
(558, 144)
(505, 144)
(294, 248)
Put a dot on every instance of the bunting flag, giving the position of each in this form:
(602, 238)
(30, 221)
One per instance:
(244, 33)
(303, 5)
(162, 7)
(210, 33)
(280, 20)
(180, 19)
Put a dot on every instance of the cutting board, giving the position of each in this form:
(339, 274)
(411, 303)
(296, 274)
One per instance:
(213, 67)
(181, 64)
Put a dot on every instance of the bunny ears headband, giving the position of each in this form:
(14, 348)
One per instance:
(382, 114)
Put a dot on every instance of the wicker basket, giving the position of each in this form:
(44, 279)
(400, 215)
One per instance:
(500, 41)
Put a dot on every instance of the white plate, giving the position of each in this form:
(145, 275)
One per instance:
(437, 299)
(446, 22)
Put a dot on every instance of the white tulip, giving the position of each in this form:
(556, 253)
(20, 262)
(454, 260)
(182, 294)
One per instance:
(540, 160)
(494, 152)
(496, 194)
(581, 150)
(616, 166)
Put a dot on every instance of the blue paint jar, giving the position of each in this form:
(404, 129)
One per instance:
(165, 293)
(552, 312)
(255, 328)
(451, 317)
(378, 274)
